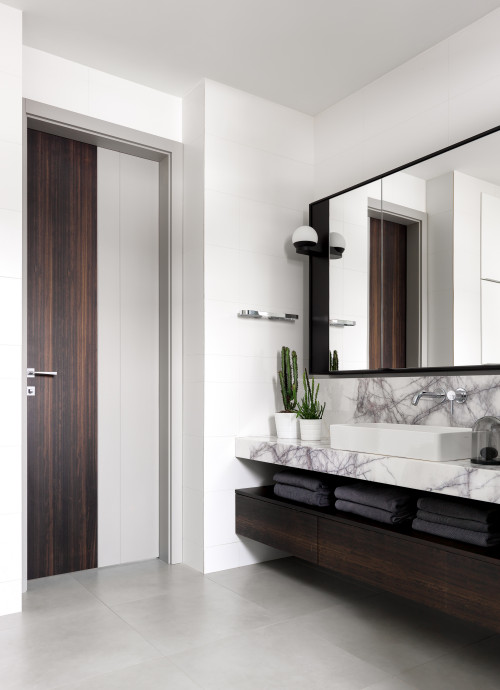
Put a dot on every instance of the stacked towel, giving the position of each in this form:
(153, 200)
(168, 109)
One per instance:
(381, 502)
(473, 522)
(303, 487)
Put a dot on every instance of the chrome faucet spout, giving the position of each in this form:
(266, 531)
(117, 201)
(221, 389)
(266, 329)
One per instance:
(428, 394)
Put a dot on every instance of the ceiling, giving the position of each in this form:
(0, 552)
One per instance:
(305, 54)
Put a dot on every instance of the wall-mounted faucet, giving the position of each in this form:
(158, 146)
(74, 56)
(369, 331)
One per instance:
(459, 396)
(428, 394)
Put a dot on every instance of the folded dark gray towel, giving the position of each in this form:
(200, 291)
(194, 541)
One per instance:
(460, 508)
(297, 478)
(372, 513)
(319, 498)
(473, 525)
(466, 535)
(394, 499)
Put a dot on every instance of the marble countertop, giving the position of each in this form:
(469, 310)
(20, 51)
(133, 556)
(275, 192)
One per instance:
(454, 478)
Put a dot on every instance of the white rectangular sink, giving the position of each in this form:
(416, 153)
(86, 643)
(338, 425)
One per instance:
(434, 443)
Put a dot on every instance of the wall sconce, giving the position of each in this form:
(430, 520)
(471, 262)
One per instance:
(304, 238)
(337, 245)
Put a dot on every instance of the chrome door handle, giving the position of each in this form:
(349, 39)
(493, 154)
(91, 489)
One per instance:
(31, 373)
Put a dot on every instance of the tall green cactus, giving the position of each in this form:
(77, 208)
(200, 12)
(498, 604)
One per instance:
(288, 379)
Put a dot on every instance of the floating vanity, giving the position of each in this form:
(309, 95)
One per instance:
(456, 578)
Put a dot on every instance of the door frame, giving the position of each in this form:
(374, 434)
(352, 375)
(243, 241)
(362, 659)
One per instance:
(169, 155)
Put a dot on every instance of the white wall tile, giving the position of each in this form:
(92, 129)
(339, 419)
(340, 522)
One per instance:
(10, 362)
(193, 114)
(10, 547)
(134, 105)
(222, 368)
(192, 467)
(192, 400)
(192, 508)
(53, 80)
(11, 43)
(339, 127)
(219, 518)
(222, 219)
(11, 310)
(221, 557)
(257, 404)
(259, 123)
(72, 86)
(490, 322)
(490, 236)
(10, 597)
(474, 54)
(475, 110)
(192, 554)
(10, 176)
(268, 229)
(222, 327)
(270, 280)
(221, 409)
(414, 87)
(11, 235)
(261, 176)
(10, 480)
(11, 112)
(221, 273)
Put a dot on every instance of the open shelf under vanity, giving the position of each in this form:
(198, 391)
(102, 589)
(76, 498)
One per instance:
(455, 578)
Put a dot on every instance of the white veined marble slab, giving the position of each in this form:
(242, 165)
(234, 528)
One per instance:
(454, 478)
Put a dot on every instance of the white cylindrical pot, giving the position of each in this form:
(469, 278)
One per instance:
(310, 429)
(286, 425)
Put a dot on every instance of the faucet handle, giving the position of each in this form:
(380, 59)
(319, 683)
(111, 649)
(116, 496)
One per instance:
(459, 396)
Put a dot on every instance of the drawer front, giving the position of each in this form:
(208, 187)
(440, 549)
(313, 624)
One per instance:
(408, 568)
(472, 589)
(282, 527)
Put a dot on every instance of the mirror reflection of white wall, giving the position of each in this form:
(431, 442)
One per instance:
(349, 276)
(490, 278)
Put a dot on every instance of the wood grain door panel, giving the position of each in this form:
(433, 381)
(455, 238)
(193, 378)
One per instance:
(62, 337)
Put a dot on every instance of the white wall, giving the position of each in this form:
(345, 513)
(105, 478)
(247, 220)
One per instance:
(442, 96)
(80, 89)
(11, 380)
(248, 181)
(193, 114)
(128, 371)
(440, 270)
(258, 183)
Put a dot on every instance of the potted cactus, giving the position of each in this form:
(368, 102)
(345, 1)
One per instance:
(286, 420)
(310, 411)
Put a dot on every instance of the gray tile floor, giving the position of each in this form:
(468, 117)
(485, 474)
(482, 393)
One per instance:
(281, 624)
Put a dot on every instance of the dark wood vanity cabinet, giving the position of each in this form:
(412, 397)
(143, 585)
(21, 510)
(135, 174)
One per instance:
(456, 578)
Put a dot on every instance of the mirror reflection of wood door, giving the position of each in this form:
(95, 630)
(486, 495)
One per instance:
(388, 291)
(62, 337)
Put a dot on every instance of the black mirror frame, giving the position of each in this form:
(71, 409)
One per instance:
(319, 289)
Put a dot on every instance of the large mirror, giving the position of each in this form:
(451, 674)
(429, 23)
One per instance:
(414, 266)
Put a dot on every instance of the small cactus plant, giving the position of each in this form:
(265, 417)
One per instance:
(334, 360)
(288, 379)
(309, 407)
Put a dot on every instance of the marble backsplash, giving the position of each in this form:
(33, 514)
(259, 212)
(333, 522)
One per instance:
(389, 400)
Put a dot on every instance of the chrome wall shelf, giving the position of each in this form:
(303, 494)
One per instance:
(254, 314)
(341, 323)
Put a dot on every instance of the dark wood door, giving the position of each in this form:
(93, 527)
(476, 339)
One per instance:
(62, 337)
(388, 277)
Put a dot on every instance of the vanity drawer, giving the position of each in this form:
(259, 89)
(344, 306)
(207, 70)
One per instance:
(283, 527)
(395, 563)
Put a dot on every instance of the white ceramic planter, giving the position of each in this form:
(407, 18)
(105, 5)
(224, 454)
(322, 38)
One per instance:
(286, 425)
(310, 429)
